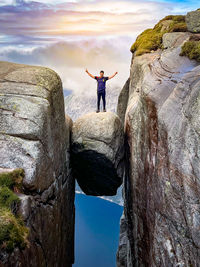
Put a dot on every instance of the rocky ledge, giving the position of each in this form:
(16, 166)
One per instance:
(97, 152)
(35, 136)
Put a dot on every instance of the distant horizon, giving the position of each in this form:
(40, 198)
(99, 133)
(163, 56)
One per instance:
(69, 36)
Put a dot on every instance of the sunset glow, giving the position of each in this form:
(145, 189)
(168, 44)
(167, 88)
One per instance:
(69, 36)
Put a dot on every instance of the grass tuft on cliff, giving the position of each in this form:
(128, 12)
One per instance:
(151, 39)
(12, 179)
(13, 232)
(191, 49)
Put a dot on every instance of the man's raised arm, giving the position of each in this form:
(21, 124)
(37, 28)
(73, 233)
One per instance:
(89, 74)
(112, 75)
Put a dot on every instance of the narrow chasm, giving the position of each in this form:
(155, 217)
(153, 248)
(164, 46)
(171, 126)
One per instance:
(98, 167)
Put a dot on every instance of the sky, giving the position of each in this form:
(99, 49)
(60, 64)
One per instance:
(70, 36)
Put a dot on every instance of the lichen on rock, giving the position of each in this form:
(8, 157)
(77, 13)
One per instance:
(193, 21)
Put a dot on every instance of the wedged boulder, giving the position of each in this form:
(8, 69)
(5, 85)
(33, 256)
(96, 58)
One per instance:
(193, 21)
(35, 136)
(97, 148)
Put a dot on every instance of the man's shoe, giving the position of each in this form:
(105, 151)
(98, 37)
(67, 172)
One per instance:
(104, 110)
(97, 111)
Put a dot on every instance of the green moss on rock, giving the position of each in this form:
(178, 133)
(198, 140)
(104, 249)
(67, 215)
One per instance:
(7, 198)
(12, 179)
(191, 49)
(151, 39)
(12, 229)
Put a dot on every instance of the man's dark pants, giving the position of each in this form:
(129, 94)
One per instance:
(103, 95)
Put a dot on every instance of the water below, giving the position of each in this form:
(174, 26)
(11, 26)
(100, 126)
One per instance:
(96, 231)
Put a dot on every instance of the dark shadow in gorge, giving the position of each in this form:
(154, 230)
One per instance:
(95, 173)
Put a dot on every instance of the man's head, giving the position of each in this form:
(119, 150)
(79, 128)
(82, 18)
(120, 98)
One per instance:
(101, 73)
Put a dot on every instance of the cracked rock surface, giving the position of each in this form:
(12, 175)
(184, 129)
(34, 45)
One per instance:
(35, 136)
(98, 150)
(161, 222)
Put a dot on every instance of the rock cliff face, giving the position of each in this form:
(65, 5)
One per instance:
(98, 150)
(161, 104)
(35, 136)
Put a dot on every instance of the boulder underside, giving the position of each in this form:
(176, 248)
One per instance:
(97, 153)
(95, 174)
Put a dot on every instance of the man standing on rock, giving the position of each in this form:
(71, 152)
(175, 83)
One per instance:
(101, 88)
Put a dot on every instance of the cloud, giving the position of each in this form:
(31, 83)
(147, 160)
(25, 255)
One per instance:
(70, 59)
(69, 36)
(57, 20)
(6, 2)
